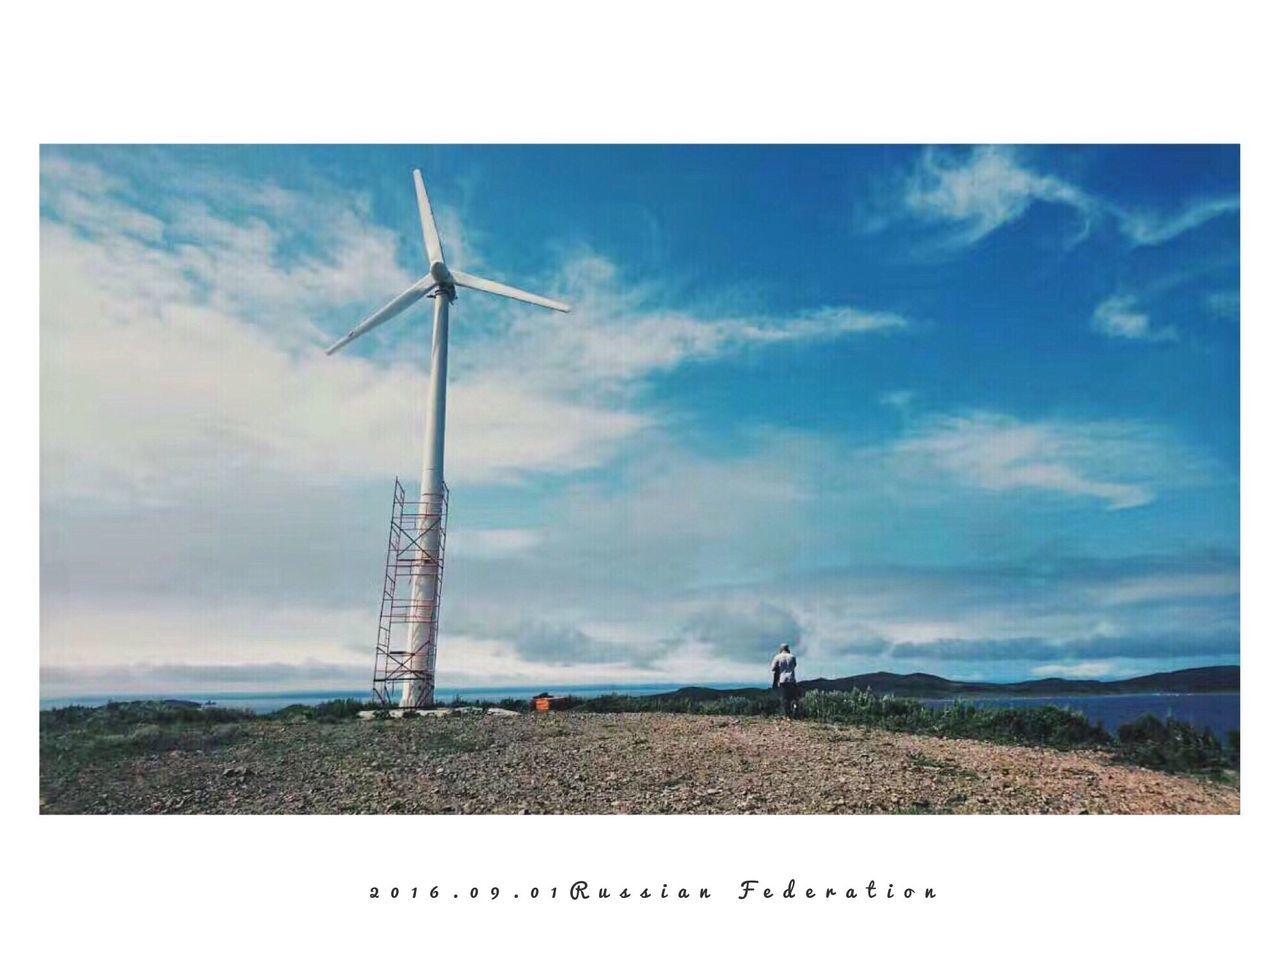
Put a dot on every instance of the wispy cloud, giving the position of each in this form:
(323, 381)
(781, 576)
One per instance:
(1102, 646)
(1085, 670)
(1224, 304)
(899, 400)
(210, 481)
(984, 190)
(1159, 586)
(1145, 228)
(978, 192)
(1119, 463)
(183, 344)
(1119, 316)
(620, 332)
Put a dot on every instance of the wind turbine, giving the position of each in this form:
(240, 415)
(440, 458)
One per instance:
(442, 284)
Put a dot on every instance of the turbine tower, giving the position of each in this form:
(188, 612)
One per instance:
(442, 284)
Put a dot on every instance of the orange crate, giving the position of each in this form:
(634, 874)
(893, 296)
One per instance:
(543, 704)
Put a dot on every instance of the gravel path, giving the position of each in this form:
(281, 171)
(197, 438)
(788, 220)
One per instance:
(617, 763)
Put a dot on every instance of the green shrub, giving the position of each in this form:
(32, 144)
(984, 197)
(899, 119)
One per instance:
(1043, 726)
(124, 716)
(761, 703)
(1172, 745)
(62, 753)
(341, 709)
(329, 711)
(294, 713)
(742, 706)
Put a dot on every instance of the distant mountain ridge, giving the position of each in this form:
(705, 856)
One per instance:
(1222, 679)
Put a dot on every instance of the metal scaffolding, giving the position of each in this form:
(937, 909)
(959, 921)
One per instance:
(416, 527)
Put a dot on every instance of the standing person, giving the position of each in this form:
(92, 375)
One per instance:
(784, 680)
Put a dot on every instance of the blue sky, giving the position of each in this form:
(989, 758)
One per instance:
(972, 411)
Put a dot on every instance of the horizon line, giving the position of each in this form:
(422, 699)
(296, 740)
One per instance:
(673, 685)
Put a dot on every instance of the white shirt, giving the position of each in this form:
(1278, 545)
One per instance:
(785, 664)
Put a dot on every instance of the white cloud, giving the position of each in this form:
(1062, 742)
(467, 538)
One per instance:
(1120, 317)
(91, 197)
(679, 546)
(984, 190)
(196, 445)
(678, 571)
(1164, 587)
(1145, 228)
(1120, 463)
(1224, 304)
(169, 678)
(494, 542)
(900, 400)
(195, 441)
(178, 629)
(991, 186)
(543, 644)
(1085, 670)
(745, 632)
(196, 398)
(183, 352)
(616, 335)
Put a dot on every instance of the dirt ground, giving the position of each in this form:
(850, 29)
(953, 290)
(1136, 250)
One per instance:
(615, 763)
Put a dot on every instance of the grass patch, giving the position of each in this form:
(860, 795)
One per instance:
(443, 742)
(330, 711)
(1160, 745)
(938, 765)
(64, 754)
(73, 737)
(1040, 726)
(125, 716)
(766, 704)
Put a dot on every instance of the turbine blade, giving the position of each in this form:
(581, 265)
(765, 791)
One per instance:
(396, 306)
(502, 290)
(430, 236)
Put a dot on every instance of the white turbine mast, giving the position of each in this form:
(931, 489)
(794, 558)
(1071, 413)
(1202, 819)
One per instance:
(442, 284)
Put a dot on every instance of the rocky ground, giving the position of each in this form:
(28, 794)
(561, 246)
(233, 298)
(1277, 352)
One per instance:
(614, 763)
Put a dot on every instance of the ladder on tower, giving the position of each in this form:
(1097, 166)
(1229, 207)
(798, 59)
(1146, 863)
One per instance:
(408, 560)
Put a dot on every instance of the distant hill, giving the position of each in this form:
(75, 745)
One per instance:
(1224, 679)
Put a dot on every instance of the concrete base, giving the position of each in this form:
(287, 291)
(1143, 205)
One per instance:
(397, 713)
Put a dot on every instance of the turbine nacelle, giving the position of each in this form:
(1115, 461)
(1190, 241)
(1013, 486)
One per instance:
(439, 278)
(441, 273)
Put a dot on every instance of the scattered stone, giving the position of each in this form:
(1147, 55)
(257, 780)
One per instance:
(618, 763)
